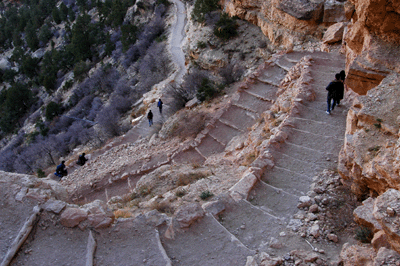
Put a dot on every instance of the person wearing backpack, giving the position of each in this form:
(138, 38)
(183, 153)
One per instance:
(159, 105)
(333, 88)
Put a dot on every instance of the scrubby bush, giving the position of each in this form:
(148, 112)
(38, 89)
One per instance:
(226, 27)
(364, 234)
(202, 8)
(206, 91)
(231, 73)
(52, 110)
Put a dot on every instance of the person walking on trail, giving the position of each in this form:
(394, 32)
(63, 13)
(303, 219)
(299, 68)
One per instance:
(81, 159)
(159, 105)
(150, 117)
(61, 170)
(333, 87)
(340, 92)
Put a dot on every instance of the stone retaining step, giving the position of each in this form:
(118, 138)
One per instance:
(272, 75)
(252, 226)
(209, 146)
(190, 156)
(129, 242)
(274, 200)
(263, 91)
(285, 63)
(250, 102)
(314, 141)
(284, 179)
(206, 242)
(238, 117)
(223, 133)
(300, 164)
(53, 245)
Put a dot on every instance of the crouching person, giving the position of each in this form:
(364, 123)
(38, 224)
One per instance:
(61, 170)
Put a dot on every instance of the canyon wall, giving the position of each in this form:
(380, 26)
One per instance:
(289, 22)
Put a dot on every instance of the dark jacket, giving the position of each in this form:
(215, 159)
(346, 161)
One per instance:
(334, 88)
(150, 115)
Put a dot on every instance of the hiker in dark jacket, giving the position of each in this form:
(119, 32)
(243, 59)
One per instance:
(81, 159)
(61, 170)
(150, 118)
(159, 105)
(333, 88)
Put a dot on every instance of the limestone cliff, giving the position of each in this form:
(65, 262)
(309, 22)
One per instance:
(372, 43)
(369, 156)
(286, 22)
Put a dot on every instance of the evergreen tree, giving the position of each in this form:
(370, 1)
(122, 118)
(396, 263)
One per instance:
(81, 39)
(31, 37)
(56, 15)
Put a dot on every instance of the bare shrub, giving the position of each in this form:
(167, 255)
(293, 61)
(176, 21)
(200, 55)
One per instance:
(231, 73)
(108, 121)
(185, 124)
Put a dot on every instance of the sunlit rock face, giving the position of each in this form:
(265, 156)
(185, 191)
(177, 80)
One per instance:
(372, 43)
(287, 23)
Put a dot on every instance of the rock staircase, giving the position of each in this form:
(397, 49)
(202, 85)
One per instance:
(261, 223)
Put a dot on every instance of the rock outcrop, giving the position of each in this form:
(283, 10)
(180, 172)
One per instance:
(369, 161)
(371, 43)
(287, 23)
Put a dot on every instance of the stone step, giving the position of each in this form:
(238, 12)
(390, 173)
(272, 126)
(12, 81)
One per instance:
(260, 231)
(190, 156)
(205, 242)
(267, 92)
(315, 141)
(239, 117)
(209, 146)
(290, 181)
(14, 213)
(251, 225)
(54, 245)
(300, 164)
(316, 111)
(274, 200)
(223, 133)
(272, 75)
(129, 242)
(285, 62)
(251, 102)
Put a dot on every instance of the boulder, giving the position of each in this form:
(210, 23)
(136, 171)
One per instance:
(334, 33)
(387, 213)
(55, 206)
(302, 9)
(315, 231)
(387, 256)
(333, 238)
(364, 217)
(242, 188)
(214, 207)
(334, 11)
(357, 255)
(304, 201)
(380, 240)
(305, 256)
(188, 214)
(71, 217)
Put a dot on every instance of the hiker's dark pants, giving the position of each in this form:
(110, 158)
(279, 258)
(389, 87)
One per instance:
(329, 100)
